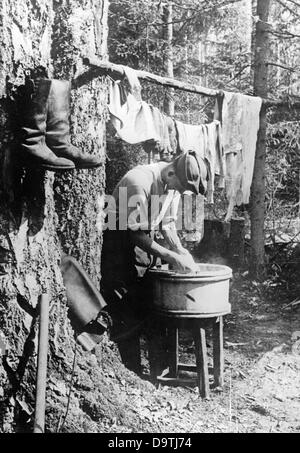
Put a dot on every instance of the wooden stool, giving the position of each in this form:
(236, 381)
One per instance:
(163, 348)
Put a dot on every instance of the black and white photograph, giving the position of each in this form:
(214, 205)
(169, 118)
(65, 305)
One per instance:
(149, 219)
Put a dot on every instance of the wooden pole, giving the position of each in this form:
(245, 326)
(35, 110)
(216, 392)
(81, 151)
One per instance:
(41, 379)
(99, 68)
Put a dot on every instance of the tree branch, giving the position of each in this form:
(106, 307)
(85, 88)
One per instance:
(238, 73)
(295, 3)
(284, 34)
(209, 8)
(288, 8)
(183, 21)
(271, 63)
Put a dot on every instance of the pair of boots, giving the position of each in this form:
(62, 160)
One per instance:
(45, 141)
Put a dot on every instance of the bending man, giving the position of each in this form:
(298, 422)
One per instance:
(135, 212)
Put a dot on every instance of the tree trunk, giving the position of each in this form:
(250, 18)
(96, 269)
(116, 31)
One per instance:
(257, 214)
(169, 105)
(202, 54)
(42, 213)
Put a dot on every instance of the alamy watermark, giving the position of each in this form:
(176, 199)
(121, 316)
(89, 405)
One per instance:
(156, 212)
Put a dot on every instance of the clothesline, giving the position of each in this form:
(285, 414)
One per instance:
(99, 67)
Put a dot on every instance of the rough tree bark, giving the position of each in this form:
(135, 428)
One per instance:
(257, 213)
(42, 213)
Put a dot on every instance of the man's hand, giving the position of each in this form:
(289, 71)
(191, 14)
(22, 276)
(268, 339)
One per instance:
(183, 262)
(182, 251)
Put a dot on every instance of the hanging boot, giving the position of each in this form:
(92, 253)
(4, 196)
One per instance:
(58, 128)
(35, 151)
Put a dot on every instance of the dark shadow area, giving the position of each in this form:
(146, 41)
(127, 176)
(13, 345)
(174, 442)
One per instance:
(22, 187)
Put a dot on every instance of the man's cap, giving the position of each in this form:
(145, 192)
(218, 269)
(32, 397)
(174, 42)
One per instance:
(192, 173)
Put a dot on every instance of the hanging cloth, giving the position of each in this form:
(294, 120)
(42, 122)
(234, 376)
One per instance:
(132, 120)
(240, 124)
(213, 154)
(190, 138)
(134, 83)
(172, 135)
(136, 121)
(206, 141)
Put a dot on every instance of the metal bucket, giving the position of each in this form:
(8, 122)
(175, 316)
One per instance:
(202, 294)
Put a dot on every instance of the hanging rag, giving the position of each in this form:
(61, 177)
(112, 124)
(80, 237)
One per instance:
(162, 144)
(169, 141)
(190, 138)
(172, 135)
(134, 83)
(240, 124)
(132, 120)
(166, 144)
(153, 147)
(213, 154)
(206, 141)
(136, 121)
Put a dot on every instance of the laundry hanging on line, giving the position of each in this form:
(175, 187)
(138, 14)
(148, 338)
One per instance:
(240, 124)
(166, 144)
(135, 121)
(227, 149)
(215, 157)
(132, 119)
(190, 138)
(134, 83)
(206, 140)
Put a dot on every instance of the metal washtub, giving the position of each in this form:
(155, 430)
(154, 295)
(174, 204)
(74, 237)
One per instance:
(202, 294)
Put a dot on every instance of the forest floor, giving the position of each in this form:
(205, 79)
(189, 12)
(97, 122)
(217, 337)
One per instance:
(261, 393)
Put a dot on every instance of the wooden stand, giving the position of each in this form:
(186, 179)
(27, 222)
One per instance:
(163, 350)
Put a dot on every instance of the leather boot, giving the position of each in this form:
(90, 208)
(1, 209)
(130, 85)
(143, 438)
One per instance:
(35, 151)
(58, 128)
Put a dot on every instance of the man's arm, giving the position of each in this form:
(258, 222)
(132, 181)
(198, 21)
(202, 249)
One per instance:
(142, 240)
(170, 235)
(168, 226)
(184, 263)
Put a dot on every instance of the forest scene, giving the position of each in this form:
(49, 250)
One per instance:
(185, 54)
